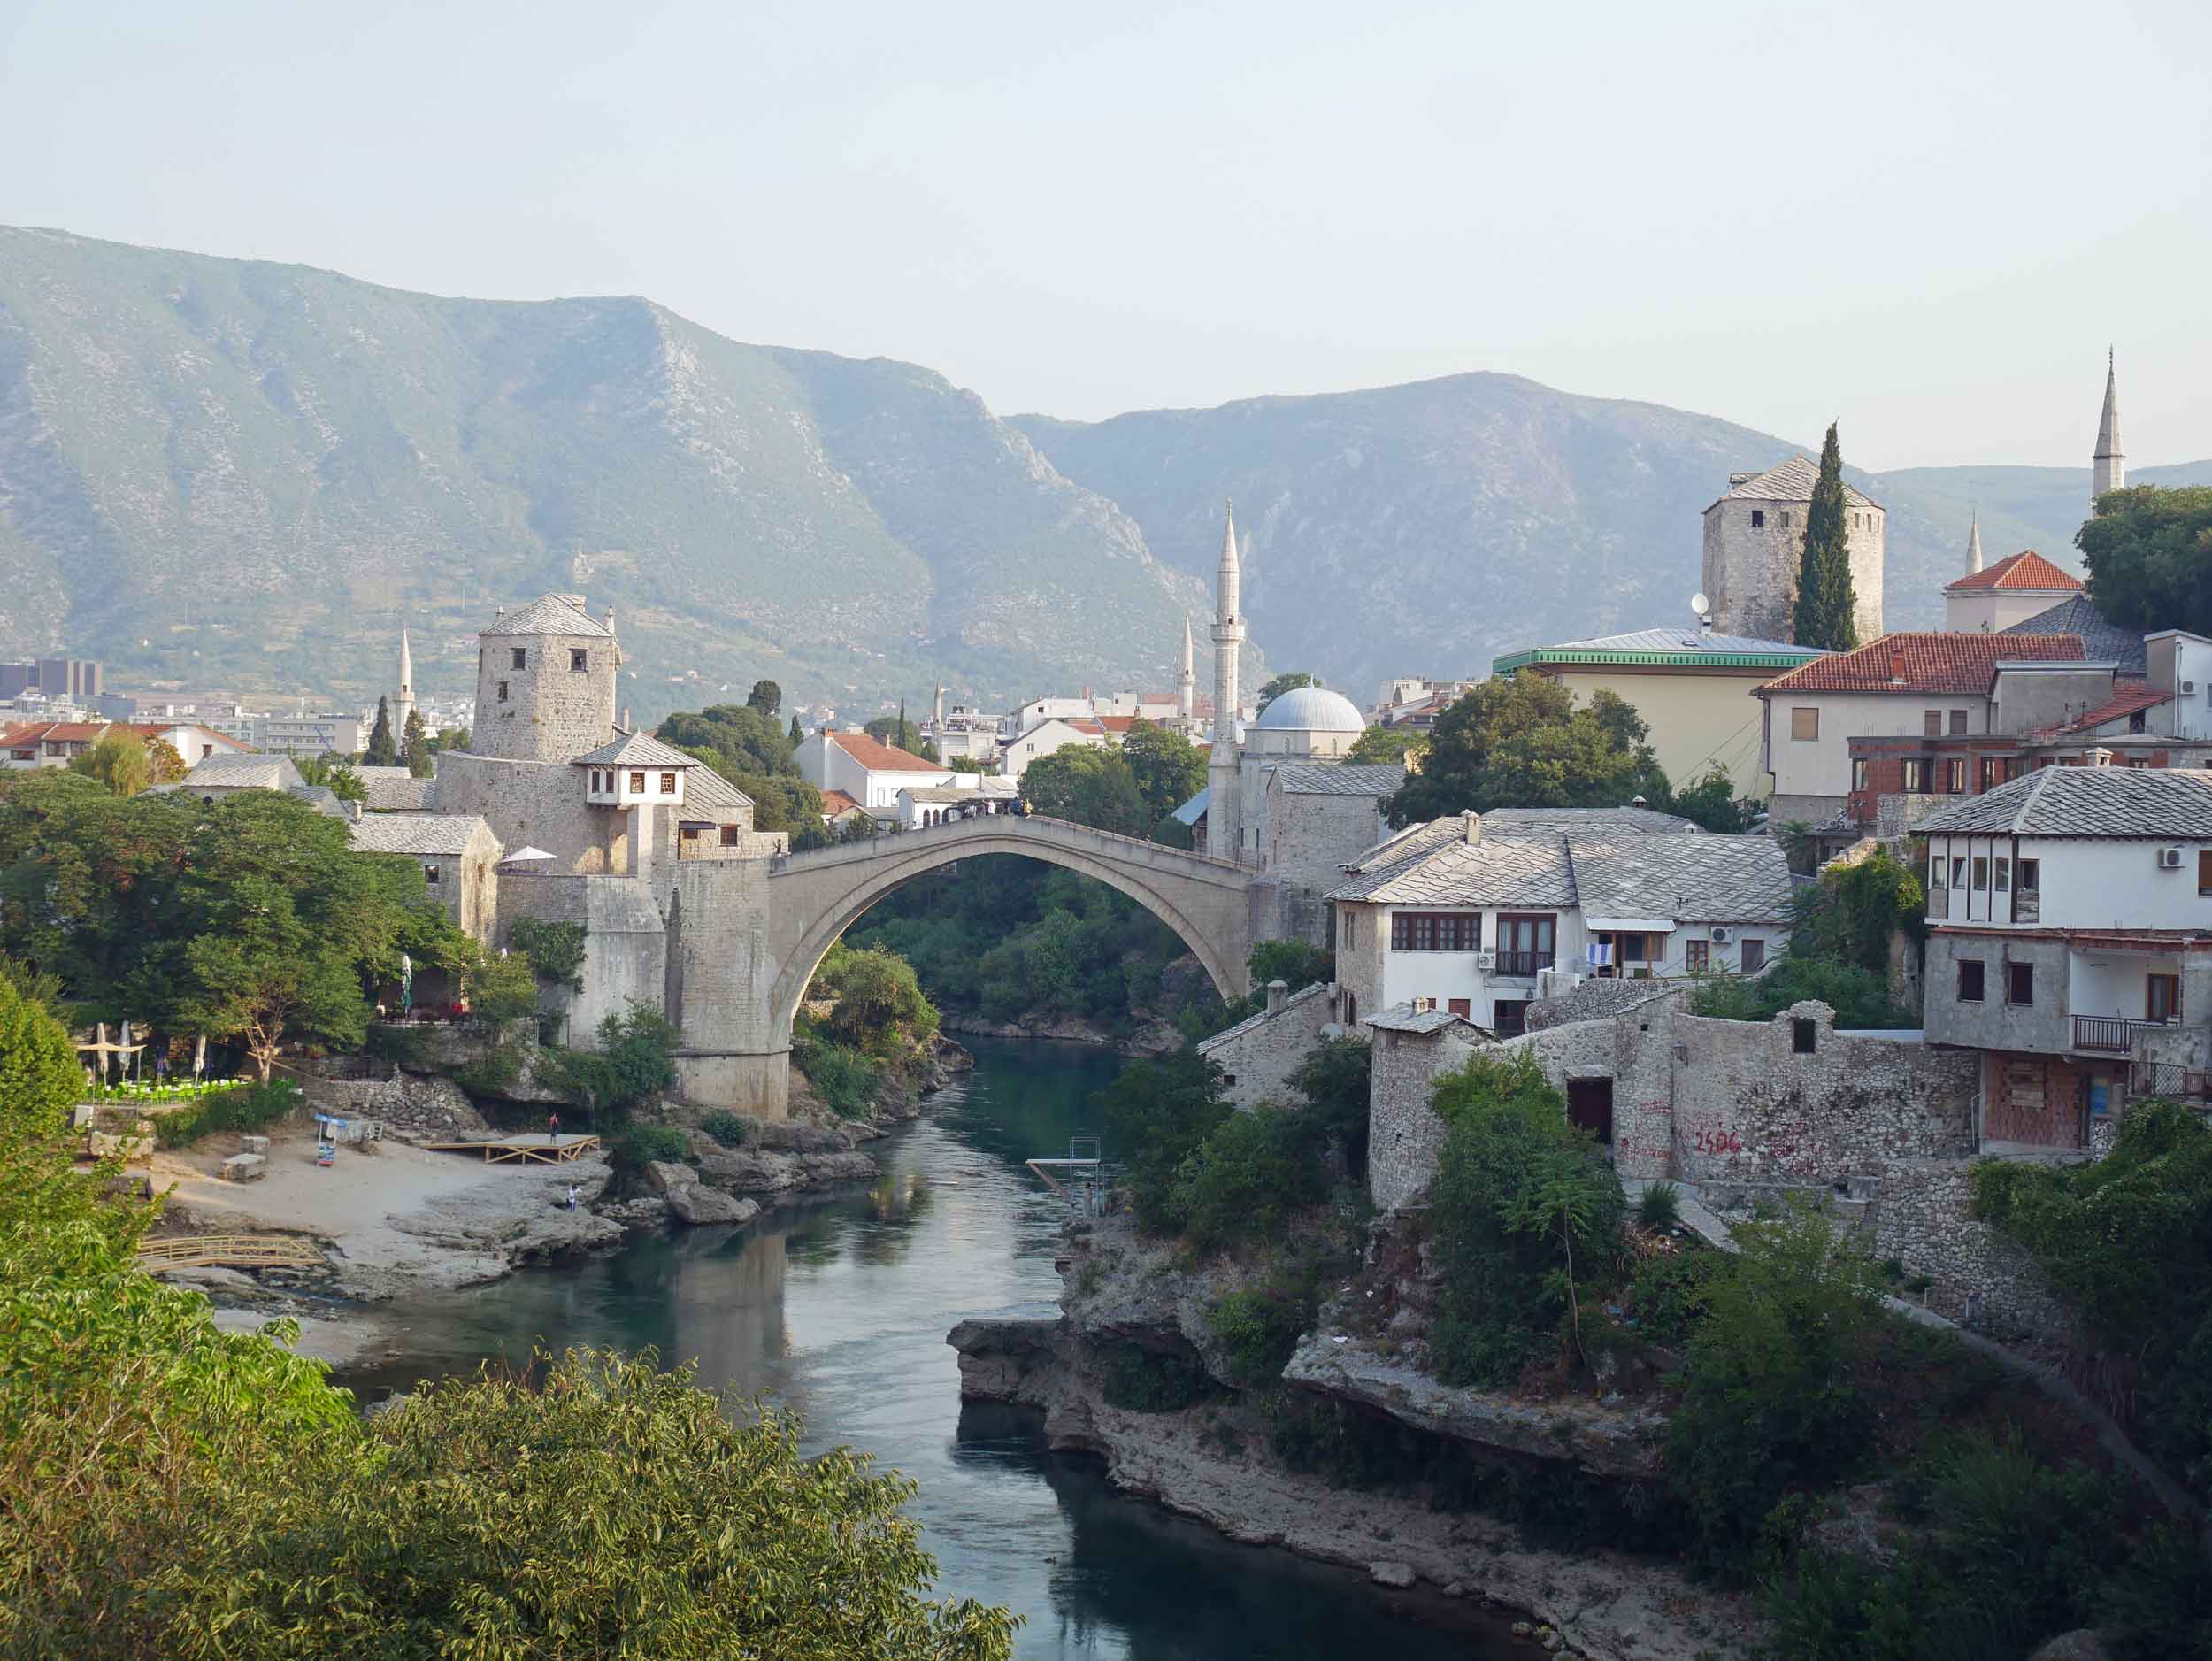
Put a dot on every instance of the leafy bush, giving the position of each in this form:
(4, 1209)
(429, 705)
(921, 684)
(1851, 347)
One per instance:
(1521, 1219)
(1335, 1080)
(633, 1060)
(729, 1129)
(843, 1078)
(501, 988)
(2128, 1241)
(650, 1144)
(1249, 1175)
(1860, 997)
(40, 1076)
(1142, 1381)
(1259, 1326)
(1292, 961)
(250, 1107)
(555, 950)
(1852, 913)
(1659, 1205)
(1771, 1404)
(1670, 1294)
(1155, 1114)
(879, 1007)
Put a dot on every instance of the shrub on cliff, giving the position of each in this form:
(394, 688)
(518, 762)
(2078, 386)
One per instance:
(1247, 1175)
(1524, 1224)
(635, 1060)
(1156, 1113)
(878, 1005)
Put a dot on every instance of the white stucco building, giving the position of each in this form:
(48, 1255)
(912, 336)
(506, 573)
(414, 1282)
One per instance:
(872, 773)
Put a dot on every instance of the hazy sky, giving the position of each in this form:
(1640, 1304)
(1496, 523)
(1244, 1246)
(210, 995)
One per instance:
(1927, 219)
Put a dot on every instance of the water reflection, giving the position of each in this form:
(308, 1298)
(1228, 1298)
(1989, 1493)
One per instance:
(838, 1310)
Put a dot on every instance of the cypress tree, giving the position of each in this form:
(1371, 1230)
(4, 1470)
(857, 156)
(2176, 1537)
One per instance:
(382, 751)
(796, 733)
(1826, 613)
(416, 749)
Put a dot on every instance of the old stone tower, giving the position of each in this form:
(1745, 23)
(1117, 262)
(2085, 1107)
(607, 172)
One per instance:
(545, 682)
(1754, 539)
(2107, 471)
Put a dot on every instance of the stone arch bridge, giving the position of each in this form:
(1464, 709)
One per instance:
(744, 936)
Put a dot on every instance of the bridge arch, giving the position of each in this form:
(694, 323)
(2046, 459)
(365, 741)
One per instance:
(817, 896)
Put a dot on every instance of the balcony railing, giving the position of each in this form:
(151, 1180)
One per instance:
(2109, 1034)
(1524, 963)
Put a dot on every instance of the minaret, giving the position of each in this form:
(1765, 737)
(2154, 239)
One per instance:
(1974, 544)
(1187, 682)
(403, 705)
(1224, 799)
(2108, 471)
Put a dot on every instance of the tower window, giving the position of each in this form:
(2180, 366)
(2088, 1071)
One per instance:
(1786, 518)
(502, 692)
(1758, 518)
(430, 875)
(579, 660)
(521, 659)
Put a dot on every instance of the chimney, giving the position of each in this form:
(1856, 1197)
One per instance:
(610, 619)
(1278, 995)
(1897, 668)
(1473, 827)
(2096, 756)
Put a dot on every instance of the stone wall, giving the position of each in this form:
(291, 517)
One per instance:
(411, 1107)
(537, 805)
(1404, 1138)
(1259, 1055)
(1750, 571)
(1308, 837)
(1920, 1218)
(1993, 1024)
(549, 711)
(625, 942)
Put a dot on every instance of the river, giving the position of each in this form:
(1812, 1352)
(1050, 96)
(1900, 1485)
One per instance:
(839, 1310)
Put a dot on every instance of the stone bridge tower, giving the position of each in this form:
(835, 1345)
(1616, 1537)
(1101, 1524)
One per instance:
(545, 682)
(1755, 543)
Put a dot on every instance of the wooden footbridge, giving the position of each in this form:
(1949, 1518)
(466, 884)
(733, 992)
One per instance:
(228, 1251)
(532, 1150)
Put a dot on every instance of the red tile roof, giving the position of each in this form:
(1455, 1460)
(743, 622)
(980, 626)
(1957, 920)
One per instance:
(2125, 700)
(2025, 570)
(878, 757)
(1926, 663)
(836, 804)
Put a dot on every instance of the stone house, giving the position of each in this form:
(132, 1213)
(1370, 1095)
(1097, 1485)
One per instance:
(458, 854)
(1472, 914)
(1927, 685)
(225, 774)
(1688, 684)
(1257, 1055)
(870, 772)
(1318, 818)
(2070, 944)
(1755, 543)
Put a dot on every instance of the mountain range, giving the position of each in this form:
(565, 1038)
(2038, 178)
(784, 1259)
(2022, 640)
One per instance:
(238, 475)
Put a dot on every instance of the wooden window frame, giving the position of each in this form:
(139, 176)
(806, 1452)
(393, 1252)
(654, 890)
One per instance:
(2013, 972)
(1753, 954)
(637, 782)
(1980, 994)
(2152, 985)
(1931, 723)
(668, 783)
(1436, 930)
(1697, 956)
(1803, 716)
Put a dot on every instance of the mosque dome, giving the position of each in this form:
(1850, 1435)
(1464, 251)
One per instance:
(1311, 710)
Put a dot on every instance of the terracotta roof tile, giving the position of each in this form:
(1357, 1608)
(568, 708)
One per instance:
(878, 757)
(2025, 570)
(2125, 700)
(1908, 663)
(836, 804)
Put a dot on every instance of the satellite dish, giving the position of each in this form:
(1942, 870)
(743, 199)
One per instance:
(1698, 603)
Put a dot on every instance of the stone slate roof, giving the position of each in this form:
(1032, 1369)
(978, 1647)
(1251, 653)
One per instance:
(1791, 481)
(415, 833)
(2101, 642)
(323, 799)
(636, 749)
(706, 787)
(1250, 1022)
(1346, 779)
(1924, 663)
(1193, 810)
(1604, 869)
(392, 790)
(1508, 821)
(1687, 879)
(2026, 570)
(1403, 1018)
(246, 770)
(2151, 803)
(552, 614)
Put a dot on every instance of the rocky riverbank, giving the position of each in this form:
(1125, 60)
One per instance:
(1129, 1302)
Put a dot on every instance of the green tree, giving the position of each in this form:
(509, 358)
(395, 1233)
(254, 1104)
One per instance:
(1382, 745)
(767, 696)
(878, 1004)
(1155, 1114)
(417, 750)
(606, 1508)
(1826, 614)
(334, 775)
(500, 987)
(447, 738)
(117, 759)
(1524, 742)
(41, 1078)
(1336, 1080)
(383, 750)
(1289, 681)
(1169, 769)
(1711, 801)
(732, 738)
(795, 736)
(2149, 555)
(276, 922)
(1090, 786)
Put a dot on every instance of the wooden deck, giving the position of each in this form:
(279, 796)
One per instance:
(535, 1149)
(228, 1251)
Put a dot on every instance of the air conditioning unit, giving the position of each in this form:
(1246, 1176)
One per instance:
(2188, 686)
(1720, 936)
(1486, 961)
(2170, 859)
